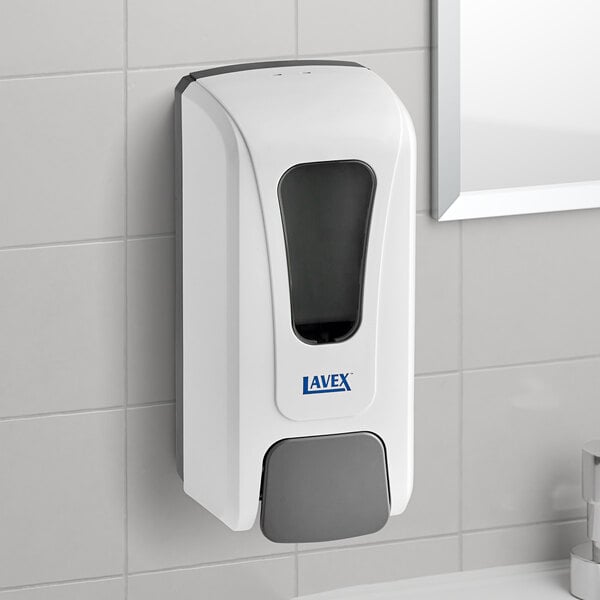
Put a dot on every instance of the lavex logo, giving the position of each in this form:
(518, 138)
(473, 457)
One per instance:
(326, 384)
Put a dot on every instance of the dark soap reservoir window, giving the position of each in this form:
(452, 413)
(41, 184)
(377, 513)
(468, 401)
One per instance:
(326, 212)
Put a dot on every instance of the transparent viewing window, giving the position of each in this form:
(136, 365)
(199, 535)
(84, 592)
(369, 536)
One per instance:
(326, 212)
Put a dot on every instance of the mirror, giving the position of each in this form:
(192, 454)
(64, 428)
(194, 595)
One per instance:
(516, 107)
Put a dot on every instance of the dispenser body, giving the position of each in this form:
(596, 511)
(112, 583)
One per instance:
(295, 308)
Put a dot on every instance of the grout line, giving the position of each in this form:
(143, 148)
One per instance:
(534, 363)
(126, 301)
(296, 54)
(62, 413)
(85, 411)
(151, 236)
(89, 241)
(522, 525)
(460, 399)
(223, 563)
(426, 374)
(366, 52)
(59, 244)
(131, 407)
(363, 545)
(55, 74)
(51, 584)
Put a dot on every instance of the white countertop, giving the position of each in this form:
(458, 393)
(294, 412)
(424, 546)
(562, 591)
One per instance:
(540, 581)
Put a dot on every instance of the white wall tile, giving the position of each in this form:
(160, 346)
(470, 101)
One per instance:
(354, 25)
(531, 288)
(62, 498)
(62, 171)
(332, 569)
(437, 296)
(407, 73)
(151, 320)
(523, 432)
(166, 527)
(272, 579)
(62, 322)
(64, 35)
(436, 468)
(434, 506)
(105, 589)
(192, 31)
(526, 544)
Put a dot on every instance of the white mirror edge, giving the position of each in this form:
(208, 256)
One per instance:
(448, 202)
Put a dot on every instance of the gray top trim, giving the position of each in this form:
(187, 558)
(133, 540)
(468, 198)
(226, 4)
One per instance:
(273, 64)
(182, 86)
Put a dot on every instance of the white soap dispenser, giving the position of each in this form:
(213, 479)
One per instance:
(295, 311)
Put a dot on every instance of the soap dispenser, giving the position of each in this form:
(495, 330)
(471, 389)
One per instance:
(295, 237)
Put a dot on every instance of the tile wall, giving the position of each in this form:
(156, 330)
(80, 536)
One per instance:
(508, 326)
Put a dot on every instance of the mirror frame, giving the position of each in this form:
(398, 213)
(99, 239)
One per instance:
(449, 203)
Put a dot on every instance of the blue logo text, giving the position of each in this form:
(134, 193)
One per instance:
(325, 384)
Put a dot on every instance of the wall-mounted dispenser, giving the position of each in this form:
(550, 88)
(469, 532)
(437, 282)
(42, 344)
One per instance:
(295, 236)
